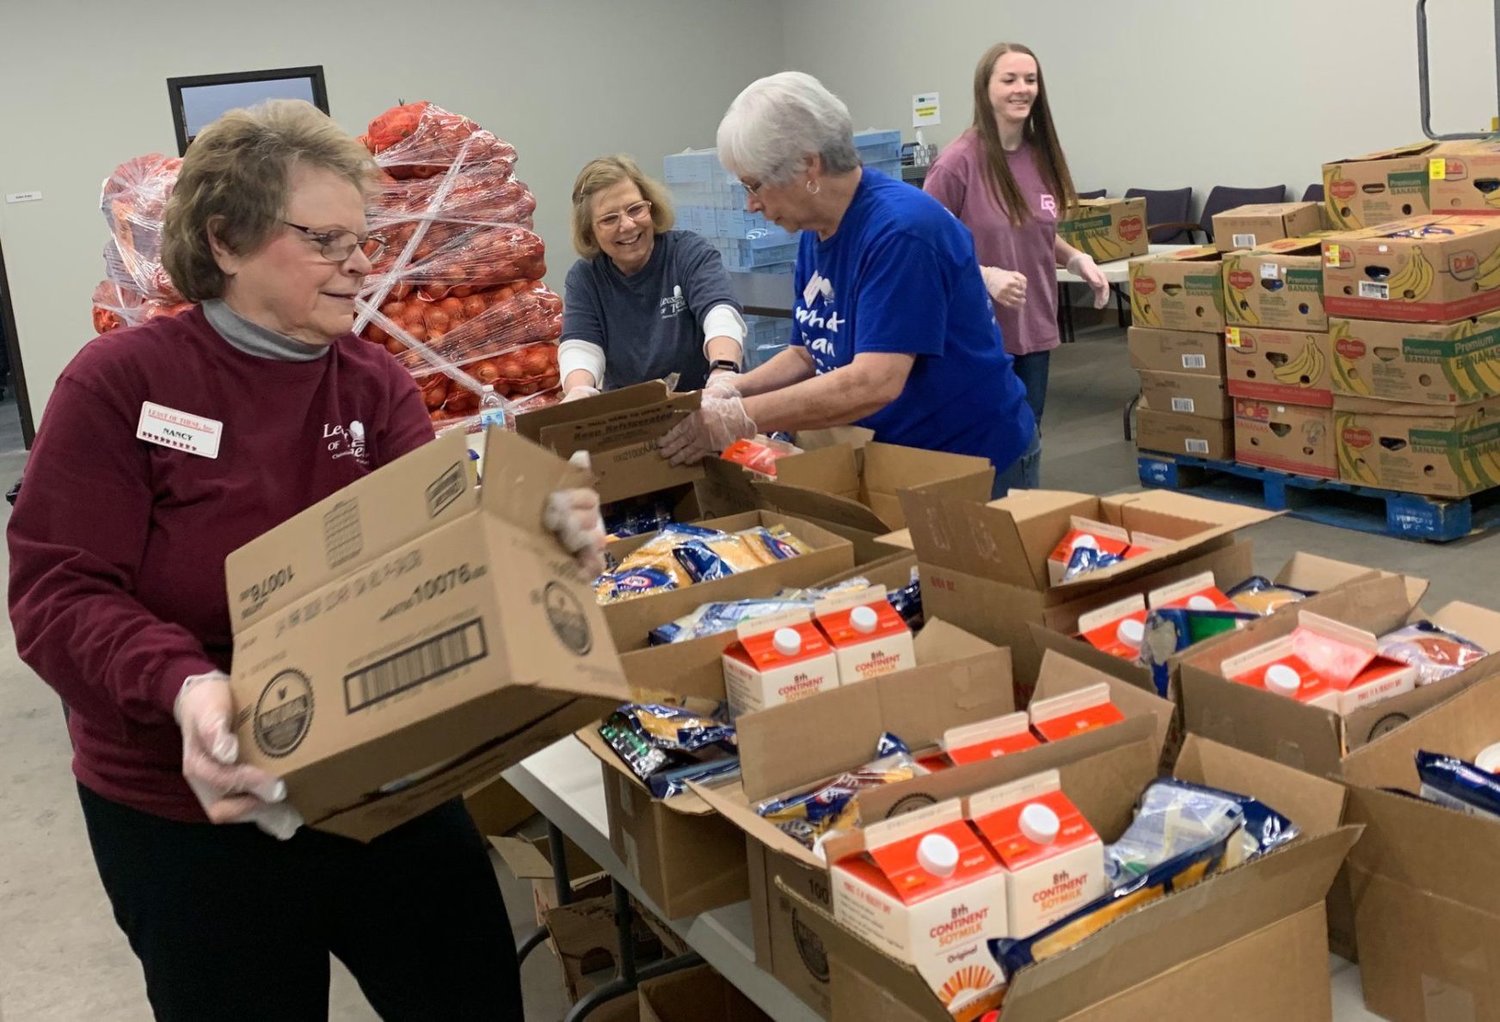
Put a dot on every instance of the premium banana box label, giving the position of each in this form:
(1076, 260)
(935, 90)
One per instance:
(1278, 286)
(1466, 182)
(1431, 269)
(1107, 229)
(1287, 437)
(1438, 364)
(1278, 365)
(1181, 290)
(1377, 187)
(1439, 456)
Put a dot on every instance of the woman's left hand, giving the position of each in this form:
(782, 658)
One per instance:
(719, 422)
(573, 517)
(1083, 265)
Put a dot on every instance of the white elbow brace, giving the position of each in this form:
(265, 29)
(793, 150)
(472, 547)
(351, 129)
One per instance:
(586, 355)
(724, 320)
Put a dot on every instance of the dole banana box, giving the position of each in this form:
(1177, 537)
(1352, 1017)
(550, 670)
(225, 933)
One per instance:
(867, 635)
(778, 660)
(1436, 451)
(1179, 290)
(999, 736)
(1289, 366)
(1073, 713)
(1287, 437)
(1466, 181)
(1278, 285)
(1256, 224)
(927, 891)
(1429, 269)
(1417, 363)
(1052, 859)
(1107, 229)
(1378, 187)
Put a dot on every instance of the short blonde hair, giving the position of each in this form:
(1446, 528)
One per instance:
(235, 178)
(602, 173)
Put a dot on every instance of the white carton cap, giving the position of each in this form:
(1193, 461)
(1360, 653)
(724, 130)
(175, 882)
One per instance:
(1039, 824)
(864, 619)
(1283, 679)
(1085, 542)
(788, 641)
(1489, 759)
(1131, 632)
(938, 855)
(1200, 602)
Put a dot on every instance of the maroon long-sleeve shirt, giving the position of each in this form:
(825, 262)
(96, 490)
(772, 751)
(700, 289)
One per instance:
(117, 544)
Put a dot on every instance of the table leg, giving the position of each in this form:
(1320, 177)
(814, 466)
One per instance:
(1120, 310)
(1129, 409)
(564, 888)
(630, 976)
(1065, 313)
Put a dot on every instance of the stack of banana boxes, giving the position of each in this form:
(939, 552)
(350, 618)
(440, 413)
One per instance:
(1414, 324)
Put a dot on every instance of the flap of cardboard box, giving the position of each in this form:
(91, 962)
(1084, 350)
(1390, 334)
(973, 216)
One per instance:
(519, 476)
(364, 520)
(522, 858)
(1061, 673)
(1462, 725)
(1317, 574)
(817, 505)
(1315, 804)
(1477, 624)
(833, 470)
(1394, 153)
(688, 803)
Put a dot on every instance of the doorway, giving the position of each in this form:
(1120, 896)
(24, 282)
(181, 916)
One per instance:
(17, 428)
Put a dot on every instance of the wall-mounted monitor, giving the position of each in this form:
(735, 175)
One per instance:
(200, 99)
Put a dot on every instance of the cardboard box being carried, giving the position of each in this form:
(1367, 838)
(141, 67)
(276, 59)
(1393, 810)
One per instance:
(1286, 437)
(1277, 285)
(1437, 450)
(1185, 394)
(1419, 363)
(984, 566)
(1430, 269)
(1288, 366)
(1180, 290)
(1241, 945)
(1107, 229)
(1175, 433)
(1379, 187)
(1427, 911)
(1176, 351)
(407, 638)
(620, 430)
(1254, 225)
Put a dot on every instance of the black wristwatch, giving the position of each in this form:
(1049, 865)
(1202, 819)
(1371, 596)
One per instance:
(723, 363)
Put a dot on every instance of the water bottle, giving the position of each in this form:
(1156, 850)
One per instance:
(491, 408)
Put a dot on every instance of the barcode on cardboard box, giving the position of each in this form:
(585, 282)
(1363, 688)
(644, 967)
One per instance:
(432, 658)
(1370, 289)
(1197, 446)
(1195, 361)
(1243, 240)
(1183, 404)
(1269, 271)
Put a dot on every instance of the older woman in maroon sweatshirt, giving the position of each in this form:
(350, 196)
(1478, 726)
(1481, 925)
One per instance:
(117, 596)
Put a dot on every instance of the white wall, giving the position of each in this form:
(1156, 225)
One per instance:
(84, 86)
(1165, 93)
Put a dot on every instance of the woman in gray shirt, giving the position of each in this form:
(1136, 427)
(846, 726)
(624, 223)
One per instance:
(644, 301)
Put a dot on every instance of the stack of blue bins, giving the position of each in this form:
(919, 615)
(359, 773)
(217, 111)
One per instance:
(710, 201)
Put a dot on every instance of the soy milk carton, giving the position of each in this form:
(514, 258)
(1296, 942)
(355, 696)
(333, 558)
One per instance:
(868, 637)
(778, 660)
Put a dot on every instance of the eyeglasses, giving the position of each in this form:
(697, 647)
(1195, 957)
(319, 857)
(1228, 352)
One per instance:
(753, 189)
(635, 211)
(338, 245)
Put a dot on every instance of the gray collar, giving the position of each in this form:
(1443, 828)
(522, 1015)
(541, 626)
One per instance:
(253, 339)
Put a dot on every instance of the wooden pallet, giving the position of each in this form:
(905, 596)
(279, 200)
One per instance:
(1365, 508)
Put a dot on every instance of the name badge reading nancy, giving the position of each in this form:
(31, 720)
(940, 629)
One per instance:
(179, 430)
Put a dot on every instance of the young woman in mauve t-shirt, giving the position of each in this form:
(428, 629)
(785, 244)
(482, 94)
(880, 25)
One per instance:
(1006, 178)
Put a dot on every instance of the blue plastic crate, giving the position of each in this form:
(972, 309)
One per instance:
(698, 219)
(878, 146)
(692, 165)
(755, 253)
(890, 168)
(765, 336)
(737, 223)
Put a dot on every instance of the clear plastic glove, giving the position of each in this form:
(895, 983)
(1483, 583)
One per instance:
(723, 383)
(229, 791)
(580, 392)
(1006, 287)
(573, 517)
(718, 423)
(1083, 265)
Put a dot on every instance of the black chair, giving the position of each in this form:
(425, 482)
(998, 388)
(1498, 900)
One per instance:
(1096, 194)
(1166, 214)
(1226, 197)
(1314, 193)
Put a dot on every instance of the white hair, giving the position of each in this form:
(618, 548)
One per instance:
(779, 122)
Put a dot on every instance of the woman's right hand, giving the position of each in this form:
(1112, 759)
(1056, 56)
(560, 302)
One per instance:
(1007, 287)
(229, 791)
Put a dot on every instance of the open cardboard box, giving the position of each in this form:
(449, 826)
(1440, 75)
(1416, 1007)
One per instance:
(984, 566)
(1378, 187)
(1246, 944)
(410, 636)
(1427, 908)
(695, 995)
(531, 859)
(620, 429)
(694, 668)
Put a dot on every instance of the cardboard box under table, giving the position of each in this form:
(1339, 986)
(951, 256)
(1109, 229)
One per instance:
(407, 638)
(696, 995)
(1426, 904)
(984, 566)
(1246, 944)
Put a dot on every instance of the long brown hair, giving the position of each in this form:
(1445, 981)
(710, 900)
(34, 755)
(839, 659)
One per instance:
(1038, 130)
